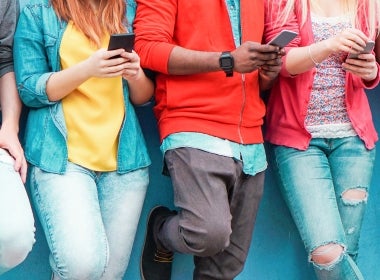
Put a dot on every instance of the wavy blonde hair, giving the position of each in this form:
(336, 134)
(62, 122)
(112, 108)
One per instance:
(370, 8)
(109, 17)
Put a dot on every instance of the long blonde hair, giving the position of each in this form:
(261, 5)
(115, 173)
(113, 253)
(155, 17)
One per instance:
(110, 16)
(370, 10)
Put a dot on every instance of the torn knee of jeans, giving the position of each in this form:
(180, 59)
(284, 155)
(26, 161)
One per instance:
(328, 255)
(354, 196)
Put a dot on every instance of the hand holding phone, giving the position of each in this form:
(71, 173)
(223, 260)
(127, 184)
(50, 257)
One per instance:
(367, 49)
(124, 41)
(283, 38)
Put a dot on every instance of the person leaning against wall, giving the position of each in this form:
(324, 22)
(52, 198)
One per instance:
(319, 125)
(88, 158)
(209, 115)
(16, 217)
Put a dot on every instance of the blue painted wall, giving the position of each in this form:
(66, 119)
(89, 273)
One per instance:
(276, 250)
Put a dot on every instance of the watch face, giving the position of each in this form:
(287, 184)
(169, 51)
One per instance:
(225, 62)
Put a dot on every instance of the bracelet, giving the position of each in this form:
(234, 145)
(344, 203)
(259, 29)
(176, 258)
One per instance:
(311, 57)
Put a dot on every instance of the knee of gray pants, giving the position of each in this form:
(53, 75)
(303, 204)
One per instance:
(209, 239)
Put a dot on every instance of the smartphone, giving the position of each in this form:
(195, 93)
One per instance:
(367, 49)
(283, 38)
(124, 41)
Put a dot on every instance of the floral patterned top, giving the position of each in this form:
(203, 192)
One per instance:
(327, 114)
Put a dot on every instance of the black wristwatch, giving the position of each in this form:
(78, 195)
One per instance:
(226, 62)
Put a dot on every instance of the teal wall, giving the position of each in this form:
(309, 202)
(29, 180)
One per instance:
(276, 250)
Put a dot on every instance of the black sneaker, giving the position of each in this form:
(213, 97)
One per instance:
(156, 262)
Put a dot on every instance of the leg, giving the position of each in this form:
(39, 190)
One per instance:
(121, 199)
(200, 181)
(244, 203)
(307, 185)
(16, 217)
(68, 208)
(210, 190)
(351, 167)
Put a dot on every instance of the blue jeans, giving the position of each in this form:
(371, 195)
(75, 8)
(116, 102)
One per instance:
(16, 217)
(313, 183)
(89, 219)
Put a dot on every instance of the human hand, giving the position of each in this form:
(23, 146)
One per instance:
(132, 68)
(251, 56)
(365, 66)
(272, 68)
(350, 40)
(103, 64)
(9, 141)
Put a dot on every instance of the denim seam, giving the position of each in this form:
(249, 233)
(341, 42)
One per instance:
(44, 215)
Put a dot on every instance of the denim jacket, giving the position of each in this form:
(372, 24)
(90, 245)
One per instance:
(36, 53)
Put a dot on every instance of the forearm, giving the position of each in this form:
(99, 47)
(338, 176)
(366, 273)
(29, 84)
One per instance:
(266, 82)
(186, 62)
(62, 83)
(141, 88)
(302, 59)
(10, 102)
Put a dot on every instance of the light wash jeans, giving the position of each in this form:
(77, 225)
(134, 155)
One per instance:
(89, 219)
(313, 183)
(16, 217)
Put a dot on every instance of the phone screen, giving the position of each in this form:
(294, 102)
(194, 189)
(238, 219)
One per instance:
(283, 38)
(367, 49)
(124, 41)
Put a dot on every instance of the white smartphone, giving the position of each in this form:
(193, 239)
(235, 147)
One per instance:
(367, 49)
(283, 38)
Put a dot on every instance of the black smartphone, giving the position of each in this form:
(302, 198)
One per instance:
(283, 38)
(367, 49)
(124, 41)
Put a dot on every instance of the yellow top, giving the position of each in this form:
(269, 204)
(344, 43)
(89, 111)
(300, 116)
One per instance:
(94, 112)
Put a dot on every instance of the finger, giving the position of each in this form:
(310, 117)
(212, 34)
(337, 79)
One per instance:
(113, 53)
(133, 57)
(113, 69)
(130, 72)
(23, 170)
(263, 48)
(18, 161)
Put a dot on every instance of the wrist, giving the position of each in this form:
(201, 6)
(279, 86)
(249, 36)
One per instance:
(226, 63)
(10, 126)
(311, 55)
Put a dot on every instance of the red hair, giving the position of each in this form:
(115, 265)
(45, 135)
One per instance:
(110, 16)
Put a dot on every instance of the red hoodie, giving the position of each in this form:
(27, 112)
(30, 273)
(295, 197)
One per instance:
(210, 103)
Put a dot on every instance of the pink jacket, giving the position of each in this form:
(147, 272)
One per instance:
(289, 97)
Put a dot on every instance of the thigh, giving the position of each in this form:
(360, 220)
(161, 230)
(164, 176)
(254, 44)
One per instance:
(306, 183)
(351, 164)
(16, 215)
(244, 203)
(200, 181)
(68, 208)
(121, 197)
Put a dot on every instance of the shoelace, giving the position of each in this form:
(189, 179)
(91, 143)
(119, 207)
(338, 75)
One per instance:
(163, 257)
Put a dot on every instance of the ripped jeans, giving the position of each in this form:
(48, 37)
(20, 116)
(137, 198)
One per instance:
(326, 190)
